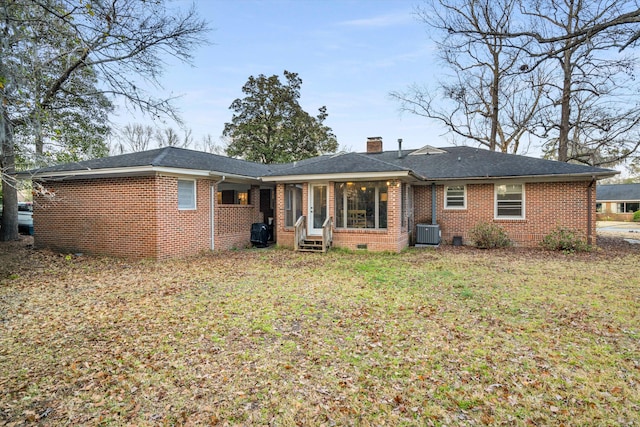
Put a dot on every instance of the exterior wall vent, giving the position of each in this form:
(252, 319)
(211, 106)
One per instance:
(428, 234)
(427, 149)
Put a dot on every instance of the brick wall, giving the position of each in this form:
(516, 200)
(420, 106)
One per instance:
(182, 232)
(112, 216)
(547, 206)
(614, 217)
(137, 217)
(232, 227)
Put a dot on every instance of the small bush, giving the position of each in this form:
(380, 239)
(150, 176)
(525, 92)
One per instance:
(486, 236)
(636, 216)
(565, 240)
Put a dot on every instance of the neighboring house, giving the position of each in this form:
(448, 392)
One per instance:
(617, 201)
(175, 202)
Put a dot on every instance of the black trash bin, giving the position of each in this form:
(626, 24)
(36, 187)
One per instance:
(259, 234)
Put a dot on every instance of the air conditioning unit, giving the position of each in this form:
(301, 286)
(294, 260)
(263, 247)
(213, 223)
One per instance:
(428, 234)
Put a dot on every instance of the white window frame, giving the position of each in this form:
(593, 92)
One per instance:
(193, 206)
(377, 201)
(464, 197)
(290, 202)
(523, 202)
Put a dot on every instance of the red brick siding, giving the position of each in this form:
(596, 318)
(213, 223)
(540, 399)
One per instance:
(547, 206)
(182, 232)
(615, 216)
(137, 217)
(233, 223)
(112, 216)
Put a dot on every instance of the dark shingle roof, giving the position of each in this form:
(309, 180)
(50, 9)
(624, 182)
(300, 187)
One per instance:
(453, 163)
(618, 192)
(338, 164)
(170, 157)
(469, 162)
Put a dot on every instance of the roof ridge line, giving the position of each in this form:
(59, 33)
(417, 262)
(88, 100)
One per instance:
(315, 159)
(163, 153)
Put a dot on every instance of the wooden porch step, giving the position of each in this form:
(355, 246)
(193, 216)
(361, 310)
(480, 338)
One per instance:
(310, 245)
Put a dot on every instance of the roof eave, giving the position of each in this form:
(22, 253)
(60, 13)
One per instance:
(132, 171)
(546, 178)
(350, 176)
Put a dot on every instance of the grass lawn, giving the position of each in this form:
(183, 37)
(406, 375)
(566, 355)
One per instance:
(454, 336)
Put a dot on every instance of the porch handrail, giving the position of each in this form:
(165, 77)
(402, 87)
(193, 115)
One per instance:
(300, 232)
(327, 233)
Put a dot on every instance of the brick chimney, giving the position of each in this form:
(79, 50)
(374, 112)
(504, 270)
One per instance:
(374, 144)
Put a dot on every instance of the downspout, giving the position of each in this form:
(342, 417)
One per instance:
(589, 211)
(212, 215)
(433, 203)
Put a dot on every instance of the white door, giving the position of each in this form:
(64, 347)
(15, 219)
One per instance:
(317, 208)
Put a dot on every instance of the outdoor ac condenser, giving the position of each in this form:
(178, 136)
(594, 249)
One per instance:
(428, 234)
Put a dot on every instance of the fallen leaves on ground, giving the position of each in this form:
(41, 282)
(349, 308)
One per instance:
(454, 336)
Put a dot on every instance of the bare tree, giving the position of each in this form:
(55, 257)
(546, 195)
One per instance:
(489, 99)
(593, 115)
(168, 137)
(135, 137)
(121, 41)
(208, 145)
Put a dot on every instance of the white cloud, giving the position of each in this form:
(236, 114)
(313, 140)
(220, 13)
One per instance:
(387, 20)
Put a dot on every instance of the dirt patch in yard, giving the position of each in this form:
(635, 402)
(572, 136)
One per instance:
(615, 242)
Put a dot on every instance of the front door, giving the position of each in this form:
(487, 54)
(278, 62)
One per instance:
(317, 208)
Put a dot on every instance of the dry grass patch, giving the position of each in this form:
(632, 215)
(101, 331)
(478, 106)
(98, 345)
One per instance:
(272, 337)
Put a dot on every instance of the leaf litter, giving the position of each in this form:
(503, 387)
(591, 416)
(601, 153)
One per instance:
(454, 336)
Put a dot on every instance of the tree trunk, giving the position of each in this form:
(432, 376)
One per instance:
(565, 109)
(9, 229)
(9, 223)
(495, 103)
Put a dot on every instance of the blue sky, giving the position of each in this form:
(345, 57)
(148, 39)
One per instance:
(350, 54)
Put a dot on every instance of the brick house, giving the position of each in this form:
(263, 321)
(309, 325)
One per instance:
(617, 201)
(174, 202)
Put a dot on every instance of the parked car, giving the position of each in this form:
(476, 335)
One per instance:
(25, 217)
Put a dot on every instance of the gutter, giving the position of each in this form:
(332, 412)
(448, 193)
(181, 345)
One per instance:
(220, 181)
(529, 178)
(589, 210)
(128, 171)
(348, 176)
